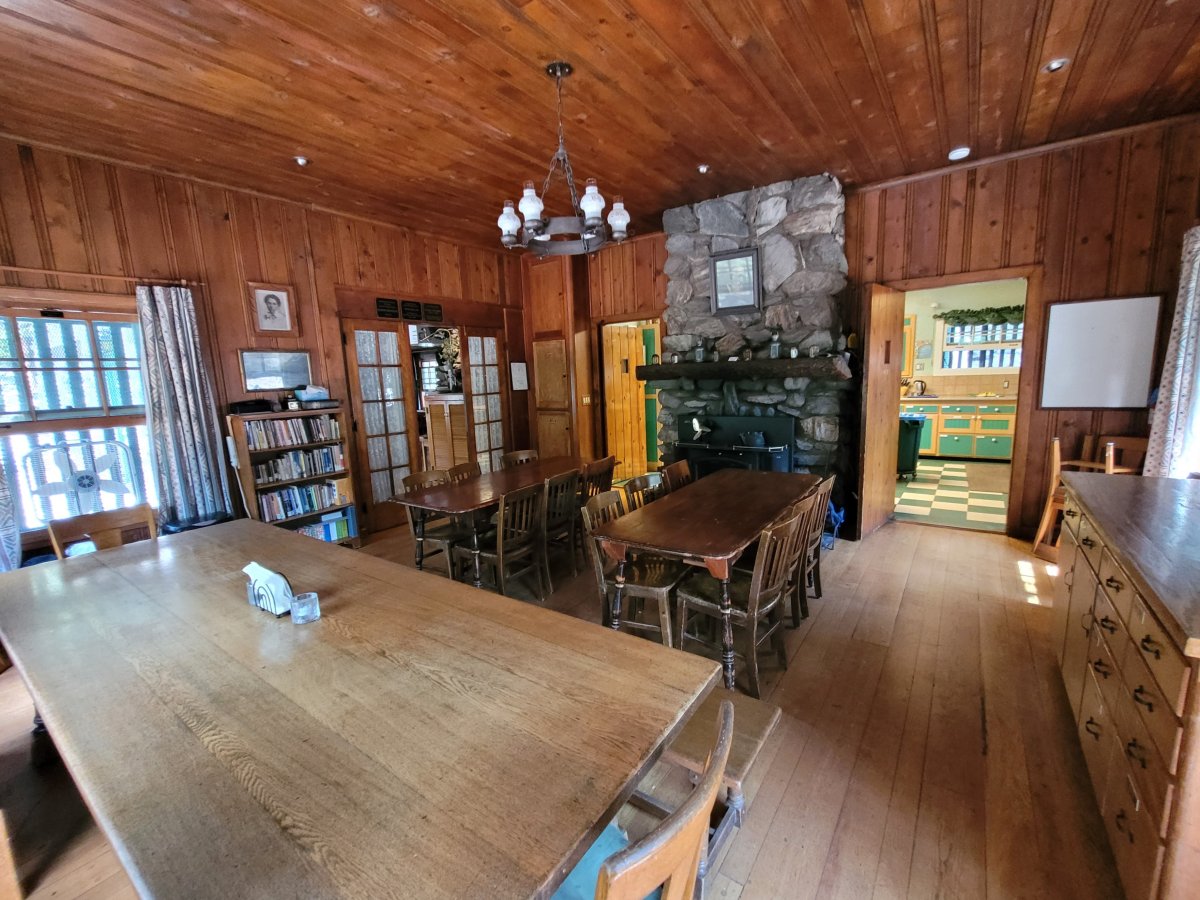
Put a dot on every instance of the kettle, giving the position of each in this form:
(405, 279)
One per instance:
(753, 439)
(916, 388)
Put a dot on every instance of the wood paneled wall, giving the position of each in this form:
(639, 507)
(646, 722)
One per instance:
(626, 281)
(1101, 218)
(73, 214)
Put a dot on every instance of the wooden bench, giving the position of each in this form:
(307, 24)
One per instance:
(753, 722)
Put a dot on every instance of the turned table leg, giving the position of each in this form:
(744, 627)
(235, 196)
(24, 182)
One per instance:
(615, 613)
(475, 528)
(727, 657)
(419, 529)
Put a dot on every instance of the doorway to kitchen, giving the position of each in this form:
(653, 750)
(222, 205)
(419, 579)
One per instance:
(956, 366)
(630, 405)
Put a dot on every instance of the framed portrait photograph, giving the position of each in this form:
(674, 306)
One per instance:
(736, 281)
(275, 370)
(272, 311)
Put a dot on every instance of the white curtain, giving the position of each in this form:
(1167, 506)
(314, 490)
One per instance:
(1174, 450)
(10, 535)
(180, 411)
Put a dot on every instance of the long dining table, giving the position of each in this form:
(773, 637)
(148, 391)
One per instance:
(708, 523)
(421, 739)
(472, 496)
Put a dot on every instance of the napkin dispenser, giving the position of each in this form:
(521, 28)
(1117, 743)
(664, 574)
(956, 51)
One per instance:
(268, 590)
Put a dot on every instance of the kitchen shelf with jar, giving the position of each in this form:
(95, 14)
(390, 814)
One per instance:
(295, 470)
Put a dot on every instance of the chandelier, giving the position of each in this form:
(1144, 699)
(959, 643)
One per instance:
(553, 236)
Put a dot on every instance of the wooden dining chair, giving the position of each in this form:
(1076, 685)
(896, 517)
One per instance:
(642, 490)
(596, 477)
(517, 458)
(669, 856)
(677, 475)
(648, 577)
(1123, 454)
(106, 530)
(757, 597)
(560, 514)
(463, 471)
(811, 576)
(441, 535)
(517, 540)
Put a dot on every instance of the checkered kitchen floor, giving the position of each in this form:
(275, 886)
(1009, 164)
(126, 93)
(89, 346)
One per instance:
(940, 494)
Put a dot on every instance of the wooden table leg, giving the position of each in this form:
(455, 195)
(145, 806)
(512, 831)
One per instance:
(727, 657)
(419, 528)
(475, 549)
(615, 613)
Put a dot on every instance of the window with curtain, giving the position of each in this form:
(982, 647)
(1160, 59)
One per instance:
(72, 408)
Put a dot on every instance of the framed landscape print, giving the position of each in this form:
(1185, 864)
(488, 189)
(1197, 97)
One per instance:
(272, 310)
(275, 370)
(736, 282)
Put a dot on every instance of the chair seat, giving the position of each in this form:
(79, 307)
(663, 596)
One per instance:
(446, 531)
(701, 590)
(649, 572)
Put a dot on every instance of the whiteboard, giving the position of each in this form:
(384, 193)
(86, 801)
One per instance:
(1100, 353)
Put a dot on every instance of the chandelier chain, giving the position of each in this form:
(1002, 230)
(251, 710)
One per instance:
(560, 159)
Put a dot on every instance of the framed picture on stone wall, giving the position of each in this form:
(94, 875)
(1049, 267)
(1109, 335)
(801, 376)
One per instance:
(736, 281)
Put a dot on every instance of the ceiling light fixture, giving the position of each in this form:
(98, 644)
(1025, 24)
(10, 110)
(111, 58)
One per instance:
(1056, 64)
(959, 153)
(538, 232)
(703, 168)
(301, 161)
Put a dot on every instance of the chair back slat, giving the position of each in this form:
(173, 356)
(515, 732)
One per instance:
(1127, 451)
(108, 529)
(418, 481)
(816, 524)
(677, 475)
(777, 552)
(463, 471)
(596, 478)
(562, 499)
(669, 856)
(517, 458)
(519, 521)
(641, 490)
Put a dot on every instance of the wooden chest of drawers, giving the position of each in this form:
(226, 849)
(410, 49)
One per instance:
(1128, 608)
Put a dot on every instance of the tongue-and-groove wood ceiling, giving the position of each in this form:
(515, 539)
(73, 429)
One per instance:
(432, 112)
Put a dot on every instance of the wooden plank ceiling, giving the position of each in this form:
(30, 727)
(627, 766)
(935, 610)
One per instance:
(431, 112)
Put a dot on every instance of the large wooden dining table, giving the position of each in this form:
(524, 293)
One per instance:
(709, 523)
(471, 497)
(422, 739)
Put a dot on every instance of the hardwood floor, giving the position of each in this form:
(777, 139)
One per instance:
(926, 747)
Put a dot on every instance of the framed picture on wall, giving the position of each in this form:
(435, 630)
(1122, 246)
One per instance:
(736, 283)
(275, 370)
(272, 311)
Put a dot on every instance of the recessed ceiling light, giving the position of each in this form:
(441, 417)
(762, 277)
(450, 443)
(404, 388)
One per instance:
(703, 168)
(301, 160)
(959, 153)
(1055, 64)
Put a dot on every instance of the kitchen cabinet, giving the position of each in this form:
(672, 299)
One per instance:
(1130, 659)
(965, 430)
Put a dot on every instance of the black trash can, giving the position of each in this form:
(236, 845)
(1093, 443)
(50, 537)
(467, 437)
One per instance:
(910, 445)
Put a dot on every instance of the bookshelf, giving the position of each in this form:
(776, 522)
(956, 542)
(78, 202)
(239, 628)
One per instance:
(295, 470)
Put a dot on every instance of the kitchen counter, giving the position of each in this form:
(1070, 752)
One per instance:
(957, 398)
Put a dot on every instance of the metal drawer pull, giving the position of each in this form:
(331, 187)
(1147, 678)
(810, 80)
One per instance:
(1071, 513)
(1100, 667)
(1113, 583)
(1138, 697)
(1089, 725)
(1136, 752)
(1120, 823)
(1108, 625)
(1150, 645)
(1087, 542)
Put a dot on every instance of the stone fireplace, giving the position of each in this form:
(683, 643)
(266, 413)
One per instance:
(799, 229)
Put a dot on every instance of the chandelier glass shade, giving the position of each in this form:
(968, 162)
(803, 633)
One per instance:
(580, 233)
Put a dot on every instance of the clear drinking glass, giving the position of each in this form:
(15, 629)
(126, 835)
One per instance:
(305, 608)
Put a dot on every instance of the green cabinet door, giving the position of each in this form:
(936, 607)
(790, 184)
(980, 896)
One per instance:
(927, 434)
(955, 445)
(993, 447)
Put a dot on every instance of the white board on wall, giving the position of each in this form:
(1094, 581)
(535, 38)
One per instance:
(1100, 353)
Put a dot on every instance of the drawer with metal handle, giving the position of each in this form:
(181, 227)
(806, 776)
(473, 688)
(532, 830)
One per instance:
(1145, 762)
(1132, 834)
(1141, 693)
(1071, 513)
(1117, 585)
(1097, 734)
(1111, 626)
(1159, 653)
(1089, 542)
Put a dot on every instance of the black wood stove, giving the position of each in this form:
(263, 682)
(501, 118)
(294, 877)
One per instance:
(763, 443)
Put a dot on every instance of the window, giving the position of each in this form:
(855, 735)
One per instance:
(982, 346)
(485, 400)
(72, 410)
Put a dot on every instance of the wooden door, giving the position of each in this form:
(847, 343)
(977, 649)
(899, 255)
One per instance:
(485, 378)
(383, 410)
(628, 403)
(552, 398)
(883, 358)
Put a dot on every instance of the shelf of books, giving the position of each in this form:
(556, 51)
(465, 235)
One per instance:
(295, 470)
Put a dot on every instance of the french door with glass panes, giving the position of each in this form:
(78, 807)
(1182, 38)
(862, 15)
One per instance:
(487, 385)
(382, 404)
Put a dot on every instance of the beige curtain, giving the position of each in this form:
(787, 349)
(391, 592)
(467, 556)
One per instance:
(1174, 450)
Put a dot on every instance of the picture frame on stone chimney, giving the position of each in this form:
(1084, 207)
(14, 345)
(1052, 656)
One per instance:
(736, 279)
